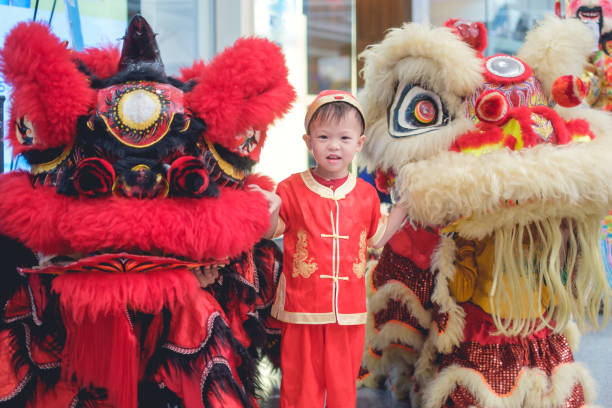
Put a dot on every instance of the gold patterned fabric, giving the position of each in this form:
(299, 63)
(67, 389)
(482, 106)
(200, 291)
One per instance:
(359, 266)
(303, 265)
(395, 267)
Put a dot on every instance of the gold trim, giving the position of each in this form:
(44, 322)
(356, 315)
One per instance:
(359, 266)
(122, 141)
(302, 266)
(306, 318)
(280, 228)
(225, 166)
(279, 299)
(326, 192)
(50, 165)
(380, 230)
(346, 319)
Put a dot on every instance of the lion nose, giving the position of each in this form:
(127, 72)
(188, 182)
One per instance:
(140, 181)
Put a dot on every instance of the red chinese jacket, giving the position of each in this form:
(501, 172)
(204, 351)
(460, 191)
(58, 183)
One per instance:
(326, 233)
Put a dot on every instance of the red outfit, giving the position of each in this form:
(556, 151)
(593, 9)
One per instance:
(322, 285)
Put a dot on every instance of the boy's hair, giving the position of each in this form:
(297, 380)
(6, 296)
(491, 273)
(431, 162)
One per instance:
(335, 111)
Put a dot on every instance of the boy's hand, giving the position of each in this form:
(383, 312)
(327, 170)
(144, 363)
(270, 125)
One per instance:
(274, 200)
(206, 275)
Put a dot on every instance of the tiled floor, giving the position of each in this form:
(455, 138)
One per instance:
(595, 352)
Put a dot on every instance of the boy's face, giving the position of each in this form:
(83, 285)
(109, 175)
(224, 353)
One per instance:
(334, 143)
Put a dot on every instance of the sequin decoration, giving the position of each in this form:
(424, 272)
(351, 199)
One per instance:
(461, 398)
(441, 319)
(394, 267)
(500, 364)
(396, 311)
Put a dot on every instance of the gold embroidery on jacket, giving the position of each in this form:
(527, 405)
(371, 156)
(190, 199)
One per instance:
(359, 266)
(301, 264)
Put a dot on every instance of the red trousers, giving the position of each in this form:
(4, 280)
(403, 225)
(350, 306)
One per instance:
(320, 358)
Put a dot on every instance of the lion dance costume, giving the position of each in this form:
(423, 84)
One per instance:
(597, 77)
(137, 179)
(472, 303)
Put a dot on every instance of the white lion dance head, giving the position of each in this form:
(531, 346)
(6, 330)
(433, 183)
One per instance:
(515, 185)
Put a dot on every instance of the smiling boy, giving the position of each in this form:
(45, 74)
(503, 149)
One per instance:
(328, 218)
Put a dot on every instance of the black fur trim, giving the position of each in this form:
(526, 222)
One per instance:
(159, 356)
(240, 162)
(15, 255)
(255, 329)
(137, 72)
(153, 75)
(221, 335)
(98, 143)
(42, 156)
(220, 378)
(151, 395)
(90, 397)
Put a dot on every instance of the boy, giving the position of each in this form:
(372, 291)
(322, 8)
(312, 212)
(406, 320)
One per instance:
(327, 217)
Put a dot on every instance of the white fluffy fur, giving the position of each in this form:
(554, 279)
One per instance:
(445, 342)
(557, 47)
(572, 335)
(534, 389)
(444, 263)
(395, 333)
(385, 152)
(396, 363)
(399, 292)
(421, 55)
(547, 180)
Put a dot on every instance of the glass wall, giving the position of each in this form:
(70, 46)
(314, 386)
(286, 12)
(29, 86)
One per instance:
(83, 24)
(507, 21)
(320, 39)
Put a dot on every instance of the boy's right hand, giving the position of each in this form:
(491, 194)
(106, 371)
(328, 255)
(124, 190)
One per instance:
(274, 200)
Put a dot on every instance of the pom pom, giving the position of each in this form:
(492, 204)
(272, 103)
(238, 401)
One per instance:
(568, 91)
(384, 180)
(94, 178)
(188, 177)
(492, 107)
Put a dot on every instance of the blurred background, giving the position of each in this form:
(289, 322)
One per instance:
(321, 40)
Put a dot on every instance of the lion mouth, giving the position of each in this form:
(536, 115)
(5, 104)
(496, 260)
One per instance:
(116, 263)
(589, 15)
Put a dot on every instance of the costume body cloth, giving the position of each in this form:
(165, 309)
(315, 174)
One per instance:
(500, 365)
(321, 292)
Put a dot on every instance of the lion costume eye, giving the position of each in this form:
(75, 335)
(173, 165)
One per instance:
(415, 111)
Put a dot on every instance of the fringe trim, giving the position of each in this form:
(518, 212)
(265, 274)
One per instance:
(217, 379)
(533, 266)
(533, 388)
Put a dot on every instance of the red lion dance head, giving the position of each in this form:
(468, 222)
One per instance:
(137, 179)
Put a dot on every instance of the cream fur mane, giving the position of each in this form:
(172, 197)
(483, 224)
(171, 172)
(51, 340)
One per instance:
(422, 55)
